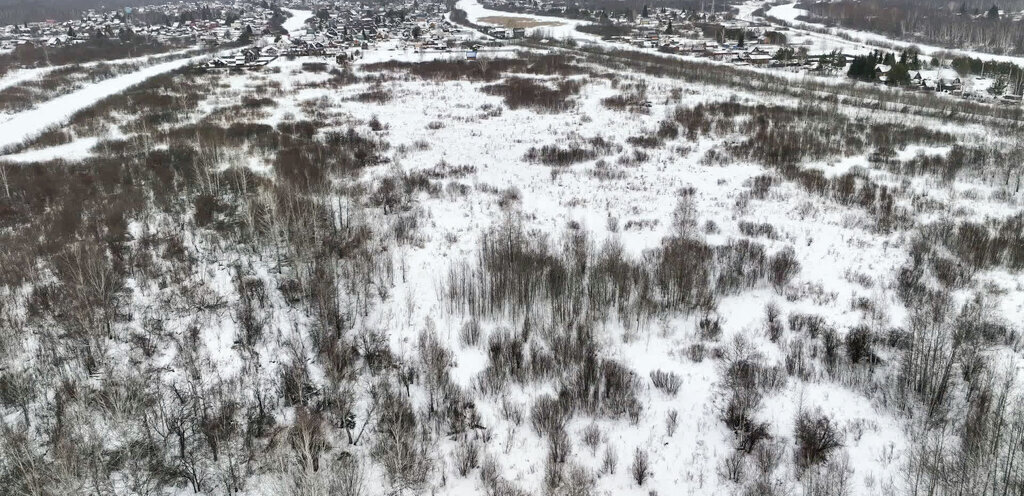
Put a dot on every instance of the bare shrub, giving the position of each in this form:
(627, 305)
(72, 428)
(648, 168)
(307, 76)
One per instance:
(577, 151)
(858, 345)
(578, 482)
(830, 479)
(773, 323)
(709, 328)
(816, 438)
(610, 460)
(758, 229)
(592, 437)
(559, 446)
(467, 455)
(696, 352)
(668, 382)
(782, 267)
(813, 325)
(746, 379)
(830, 344)
(604, 387)
(640, 469)
(307, 439)
(733, 468)
(549, 415)
(511, 411)
(470, 333)
(375, 124)
(489, 70)
(521, 92)
(376, 94)
(401, 445)
(668, 130)
(314, 66)
(767, 457)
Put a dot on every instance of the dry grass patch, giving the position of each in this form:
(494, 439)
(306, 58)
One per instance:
(517, 22)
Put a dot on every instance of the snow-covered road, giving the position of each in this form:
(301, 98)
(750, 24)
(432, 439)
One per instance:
(18, 76)
(57, 111)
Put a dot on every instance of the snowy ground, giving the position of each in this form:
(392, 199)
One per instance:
(566, 28)
(294, 24)
(454, 122)
(496, 145)
(76, 150)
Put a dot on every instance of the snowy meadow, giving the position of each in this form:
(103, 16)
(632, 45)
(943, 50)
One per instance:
(560, 269)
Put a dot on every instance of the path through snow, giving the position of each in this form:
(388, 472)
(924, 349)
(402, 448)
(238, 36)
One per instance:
(30, 123)
(18, 76)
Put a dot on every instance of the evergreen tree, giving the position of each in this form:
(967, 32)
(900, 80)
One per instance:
(999, 86)
(993, 13)
(899, 75)
(740, 40)
(668, 30)
(246, 35)
(644, 13)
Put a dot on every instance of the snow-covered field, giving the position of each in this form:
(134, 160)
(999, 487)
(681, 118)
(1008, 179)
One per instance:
(295, 24)
(565, 28)
(254, 274)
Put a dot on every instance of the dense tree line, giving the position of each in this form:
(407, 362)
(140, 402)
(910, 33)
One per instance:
(22, 11)
(934, 24)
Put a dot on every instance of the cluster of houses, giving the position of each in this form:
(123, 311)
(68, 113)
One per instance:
(700, 34)
(210, 23)
(343, 31)
(504, 33)
(421, 23)
(948, 80)
(724, 38)
(941, 79)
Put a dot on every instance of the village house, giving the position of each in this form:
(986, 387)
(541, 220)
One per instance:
(944, 79)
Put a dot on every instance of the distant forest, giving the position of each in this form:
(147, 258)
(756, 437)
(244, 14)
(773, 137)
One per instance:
(955, 24)
(20, 11)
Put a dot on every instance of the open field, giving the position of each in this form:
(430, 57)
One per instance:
(558, 268)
